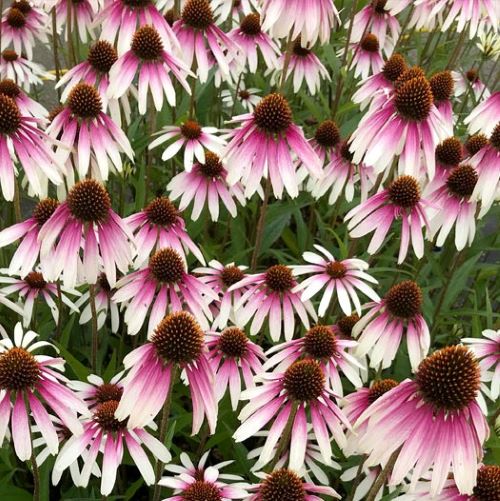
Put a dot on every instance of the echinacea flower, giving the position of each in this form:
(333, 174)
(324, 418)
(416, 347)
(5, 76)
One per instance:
(161, 225)
(198, 34)
(247, 97)
(104, 433)
(475, 143)
(203, 482)
(21, 141)
(401, 200)
(325, 140)
(96, 391)
(24, 72)
(251, 40)
(32, 287)
(469, 79)
(294, 394)
(322, 344)
(342, 277)
(27, 253)
(442, 87)
(85, 223)
(487, 350)
(178, 342)
(220, 278)
(292, 18)
(449, 154)
(406, 124)
(84, 129)
(484, 117)
(233, 355)
(194, 138)
(270, 294)
(28, 384)
(454, 207)
(206, 184)
(153, 64)
(26, 105)
(367, 57)
(266, 145)
(383, 326)
(432, 421)
(286, 484)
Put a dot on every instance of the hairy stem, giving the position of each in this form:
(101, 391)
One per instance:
(382, 476)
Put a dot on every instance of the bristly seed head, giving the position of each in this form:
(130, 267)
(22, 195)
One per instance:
(104, 415)
(10, 116)
(299, 50)
(89, 202)
(394, 67)
(15, 18)
(404, 300)
(102, 55)
(162, 212)
(19, 370)
(378, 388)
(409, 74)
(198, 14)
(10, 55)
(59, 108)
(345, 152)
(475, 143)
(336, 269)
(462, 181)
(273, 114)
(281, 485)
(279, 278)
(9, 88)
(171, 16)
(231, 275)
(488, 483)
(178, 338)
(233, 342)
(167, 266)
(472, 75)
(442, 86)
(379, 6)
(251, 24)
(320, 342)
(35, 280)
(147, 44)
(327, 134)
(495, 137)
(212, 168)
(413, 99)
(103, 283)
(404, 192)
(449, 152)
(369, 43)
(304, 380)
(43, 210)
(22, 5)
(449, 379)
(84, 101)
(191, 129)
(346, 324)
(201, 491)
(108, 391)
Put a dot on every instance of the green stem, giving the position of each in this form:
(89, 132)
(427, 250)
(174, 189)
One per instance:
(95, 338)
(57, 64)
(382, 477)
(260, 226)
(286, 63)
(285, 437)
(357, 479)
(456, 52)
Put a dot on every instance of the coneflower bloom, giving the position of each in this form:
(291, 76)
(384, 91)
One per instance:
(442, 86)
(153, 64)
(198, 34)
(449, 154)
(164, 285)
(303, 65)
(433, 422)
(104, 433)
(487, 350)
(26, 105)
(26, 73)
(484, 117)
(270, 294)
(33, 286)
(83, 128)
(104, 304)
(470, 78)
(486, 162)
(120, 19)
(85, 222)
(251, 40)
(401, 200)
(266, 135)
(294, 394)
(23, 142)
(325, 140)
(247, 97)
(206, 184)
(178, 341)
(285, 18)
(27, 380)
(374, 18)
(320, 343)
(26, 255)
(233, 355)
(202, 482)
(82, 14)
(454, 207)
(340, 277)
(475, 143)
(367, 56)
(383, 326)
(161, 225)
(220, 278)
(96, 391)
(405, 123)
(194, 138)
